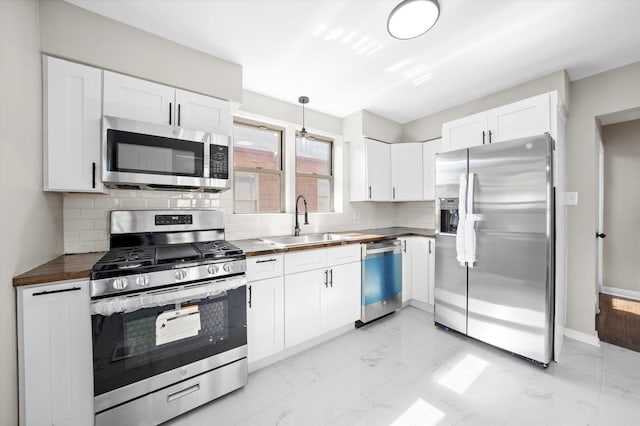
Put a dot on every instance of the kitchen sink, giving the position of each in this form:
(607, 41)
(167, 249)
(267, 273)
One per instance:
(290, 240)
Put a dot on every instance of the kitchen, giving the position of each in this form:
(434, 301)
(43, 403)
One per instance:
(35, 218)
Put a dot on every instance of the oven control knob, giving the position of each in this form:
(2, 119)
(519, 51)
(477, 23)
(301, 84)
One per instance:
(142, 280)
(227, 267)
(213, 269)
(180, 274)
(120, 283)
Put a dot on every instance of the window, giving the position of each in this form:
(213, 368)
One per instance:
(257, 162)
(314, 172)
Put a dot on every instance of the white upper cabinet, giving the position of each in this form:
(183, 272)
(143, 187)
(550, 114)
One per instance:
(406, 172)
(370, 170)
(429, 151)
(137, 99)
(142, 100)
(464, 132)
(72, 112)
(528, 117)
(199, 112)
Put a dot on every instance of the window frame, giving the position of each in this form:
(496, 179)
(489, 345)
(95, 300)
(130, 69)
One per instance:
(259, 170)
(329, 177)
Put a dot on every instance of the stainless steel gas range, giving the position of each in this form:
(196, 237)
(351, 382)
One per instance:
(168, 311)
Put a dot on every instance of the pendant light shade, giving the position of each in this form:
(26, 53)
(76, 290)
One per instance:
(303, 100)
(412, 18)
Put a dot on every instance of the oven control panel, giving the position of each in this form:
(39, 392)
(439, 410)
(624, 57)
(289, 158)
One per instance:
(174, 219)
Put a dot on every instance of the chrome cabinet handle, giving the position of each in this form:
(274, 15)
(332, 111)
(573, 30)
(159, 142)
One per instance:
(170, 112)
(331, 277)
(429, 246)
(489, 136)
(483, 134)
(93, 172)
(394, 192)
(250, 298)
(326, 278)
(404, 246)
(369, 191)
(178, 115)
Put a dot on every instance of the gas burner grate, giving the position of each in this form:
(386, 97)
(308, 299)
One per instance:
(127, 257)
(217, 249)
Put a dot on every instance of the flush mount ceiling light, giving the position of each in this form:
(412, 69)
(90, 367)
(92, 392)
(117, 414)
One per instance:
(412, 18)
(303, 100)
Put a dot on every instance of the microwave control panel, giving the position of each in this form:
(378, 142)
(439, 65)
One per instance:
(219, 163)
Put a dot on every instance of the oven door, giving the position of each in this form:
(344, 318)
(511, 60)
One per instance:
(146, 154)
(146, 341)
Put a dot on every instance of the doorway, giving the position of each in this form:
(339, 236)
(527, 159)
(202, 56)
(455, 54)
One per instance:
(618, 219)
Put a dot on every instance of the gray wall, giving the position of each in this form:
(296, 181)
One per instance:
(430, 127)
(606, 93)
(77, 34)
(30, 220)
(622, 205)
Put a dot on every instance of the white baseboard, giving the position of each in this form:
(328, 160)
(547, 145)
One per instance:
(582, 337)
(421, 305)
(620, 292)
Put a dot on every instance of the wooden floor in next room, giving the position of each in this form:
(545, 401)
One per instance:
(618, 322)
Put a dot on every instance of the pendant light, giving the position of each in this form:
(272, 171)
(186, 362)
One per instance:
(303, 100)
(412, 18)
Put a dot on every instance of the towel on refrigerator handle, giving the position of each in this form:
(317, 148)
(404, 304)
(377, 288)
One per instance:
(462, 220)
(469, 224)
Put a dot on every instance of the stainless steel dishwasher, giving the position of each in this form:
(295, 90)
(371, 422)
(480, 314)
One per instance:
(381, 280)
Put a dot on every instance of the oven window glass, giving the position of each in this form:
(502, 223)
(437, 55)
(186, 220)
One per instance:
(130, 347)
(138, 153)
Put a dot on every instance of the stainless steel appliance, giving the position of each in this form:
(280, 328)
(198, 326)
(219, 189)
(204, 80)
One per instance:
(381, 280)
(168, 311)
(152, 156)
(494, 278)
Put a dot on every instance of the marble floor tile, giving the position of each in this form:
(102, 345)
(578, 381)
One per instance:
(402, 370)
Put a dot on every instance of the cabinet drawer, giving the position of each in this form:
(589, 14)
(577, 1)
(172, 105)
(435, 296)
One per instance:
(343, 254)
(262, 267)
(305, 260)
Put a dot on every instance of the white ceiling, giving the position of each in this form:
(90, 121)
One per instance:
(339, 54)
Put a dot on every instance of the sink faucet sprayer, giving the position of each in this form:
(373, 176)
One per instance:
(296, 230)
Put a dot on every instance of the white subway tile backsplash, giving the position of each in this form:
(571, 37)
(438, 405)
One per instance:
(79, 247)
(73, 213)
(101, 245)
(100, 224)
(78, 224)
(96, 235)
(158, 203)
(72, 236)
(106, 203)
(77, 201)
(134, 203)
(93, 213)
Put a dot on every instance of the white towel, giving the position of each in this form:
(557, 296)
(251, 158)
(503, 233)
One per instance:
(462, 218)
(469, 225)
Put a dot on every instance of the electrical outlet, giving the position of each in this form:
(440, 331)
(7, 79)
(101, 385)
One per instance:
(571, 198)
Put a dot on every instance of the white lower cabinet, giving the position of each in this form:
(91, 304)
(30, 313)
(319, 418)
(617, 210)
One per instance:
(55, 359)
(323, 298)
(265, 306)
(265, 318)
(418, 269)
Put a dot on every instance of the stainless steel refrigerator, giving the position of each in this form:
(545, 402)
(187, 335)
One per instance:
(494, 275)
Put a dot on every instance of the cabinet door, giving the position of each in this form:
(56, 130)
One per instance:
(429, 151)
(406, 171)
(431, 244)
(341, 298)
(199, 112)
(407, 270)
(378, 171)
(528, 117)
(265, 318)
(72, 100)
(358, 190)
(55, 355)
(420, 269)
(302, 306)
(137, 99)
(465, 132)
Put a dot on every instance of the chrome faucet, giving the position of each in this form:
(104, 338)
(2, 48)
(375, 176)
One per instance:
(296, 230)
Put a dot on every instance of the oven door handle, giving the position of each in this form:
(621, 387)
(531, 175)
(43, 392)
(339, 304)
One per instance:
(173, 295)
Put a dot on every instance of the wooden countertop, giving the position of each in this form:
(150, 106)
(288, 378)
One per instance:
(78, 266)
(257, 247)
(65, 267)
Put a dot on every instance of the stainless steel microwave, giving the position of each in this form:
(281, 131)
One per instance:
(152, 156)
